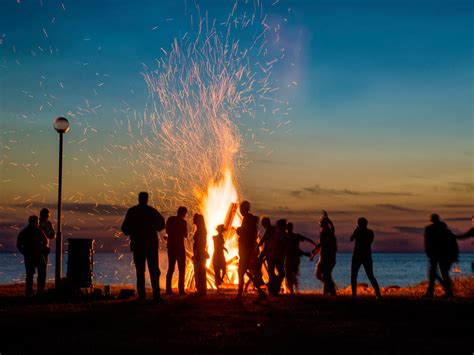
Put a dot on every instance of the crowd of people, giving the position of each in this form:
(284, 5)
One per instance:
(277, 251)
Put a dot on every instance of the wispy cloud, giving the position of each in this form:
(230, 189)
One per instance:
(393, 207)
(457, 219)
(467, 187)
(317, 190)
(409, 229)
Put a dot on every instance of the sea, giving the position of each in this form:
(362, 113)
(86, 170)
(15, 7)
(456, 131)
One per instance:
(390, 269)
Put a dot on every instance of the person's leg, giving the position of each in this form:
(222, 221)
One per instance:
(243, 265)
(271, 276)
(369, 270)
(217, 273)
(203, 278)
(170, 272)
(182, 273)
(432, 273)
(30, 272)
(444, 268)
(329, 280)
(289, 277)
(280, 266)
(139, 259)
(355, 266)
(154, 270)
(41, 282)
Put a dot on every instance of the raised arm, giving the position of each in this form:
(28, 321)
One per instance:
(306, 239)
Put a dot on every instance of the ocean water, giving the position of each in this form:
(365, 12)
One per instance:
(110, 268)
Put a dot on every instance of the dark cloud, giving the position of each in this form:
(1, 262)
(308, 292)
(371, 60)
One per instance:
(286, 211)
(392, 207)
(467, 187)
(457, 219)
(409, 229)
(317, 190)
(460, 205)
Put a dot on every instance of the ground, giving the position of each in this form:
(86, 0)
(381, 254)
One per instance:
(401, 322)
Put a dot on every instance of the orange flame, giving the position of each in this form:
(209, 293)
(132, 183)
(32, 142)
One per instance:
(220, 195)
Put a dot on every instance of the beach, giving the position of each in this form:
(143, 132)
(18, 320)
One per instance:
(401, 322)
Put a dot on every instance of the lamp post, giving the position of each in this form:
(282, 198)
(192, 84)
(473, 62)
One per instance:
(61, 125)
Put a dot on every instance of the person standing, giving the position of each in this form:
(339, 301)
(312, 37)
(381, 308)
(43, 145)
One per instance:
(177, 231)
(263, 243)
(442, 250)
(247, 233)
(218, 258)
(32, 242)
(200, 254)
(327, 247)
(276, 257)
(293, 256)
(47, 227)
(141, 223)
(362, 255)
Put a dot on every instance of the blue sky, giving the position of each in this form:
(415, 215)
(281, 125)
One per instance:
(382, 101)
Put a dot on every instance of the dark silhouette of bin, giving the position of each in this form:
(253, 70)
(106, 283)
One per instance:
(80, 262)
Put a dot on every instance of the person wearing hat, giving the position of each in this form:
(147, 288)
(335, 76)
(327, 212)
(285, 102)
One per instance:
(218, 258)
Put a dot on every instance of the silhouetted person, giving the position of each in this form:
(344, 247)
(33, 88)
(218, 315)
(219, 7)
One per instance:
(218, 258)
(47, 227)
(442, 250)
(177, 231)
(31, 243)
(247, 233)
(277, 245)
(263, 242)
(142, 222)
(327, 258)
(200, 254)
(267, 235)
(293, 255)
(362, 255)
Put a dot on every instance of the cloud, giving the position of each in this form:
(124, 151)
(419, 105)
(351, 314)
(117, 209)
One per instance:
(392, 207)
(409, 229)
(457, 219)
(317, 190)
(467, 187)
(460, 205)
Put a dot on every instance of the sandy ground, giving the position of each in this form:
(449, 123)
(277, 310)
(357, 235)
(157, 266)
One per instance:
(401, 322)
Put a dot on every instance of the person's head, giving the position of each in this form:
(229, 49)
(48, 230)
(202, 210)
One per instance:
(266, 222)
(44, 214)
(289, 227)
(362, 222)
(281, 225)
(324, 222)
(143, 198)
(182, 211)
(244, 208)
(435, 218)
(198, 220)
(220, 229)
(33, 221)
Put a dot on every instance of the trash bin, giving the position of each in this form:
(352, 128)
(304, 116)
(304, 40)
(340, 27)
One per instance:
(80, 262)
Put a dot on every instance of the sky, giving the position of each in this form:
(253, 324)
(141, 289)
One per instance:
(378, 118)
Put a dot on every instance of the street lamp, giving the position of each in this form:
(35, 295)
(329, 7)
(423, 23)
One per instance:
(61, 125)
